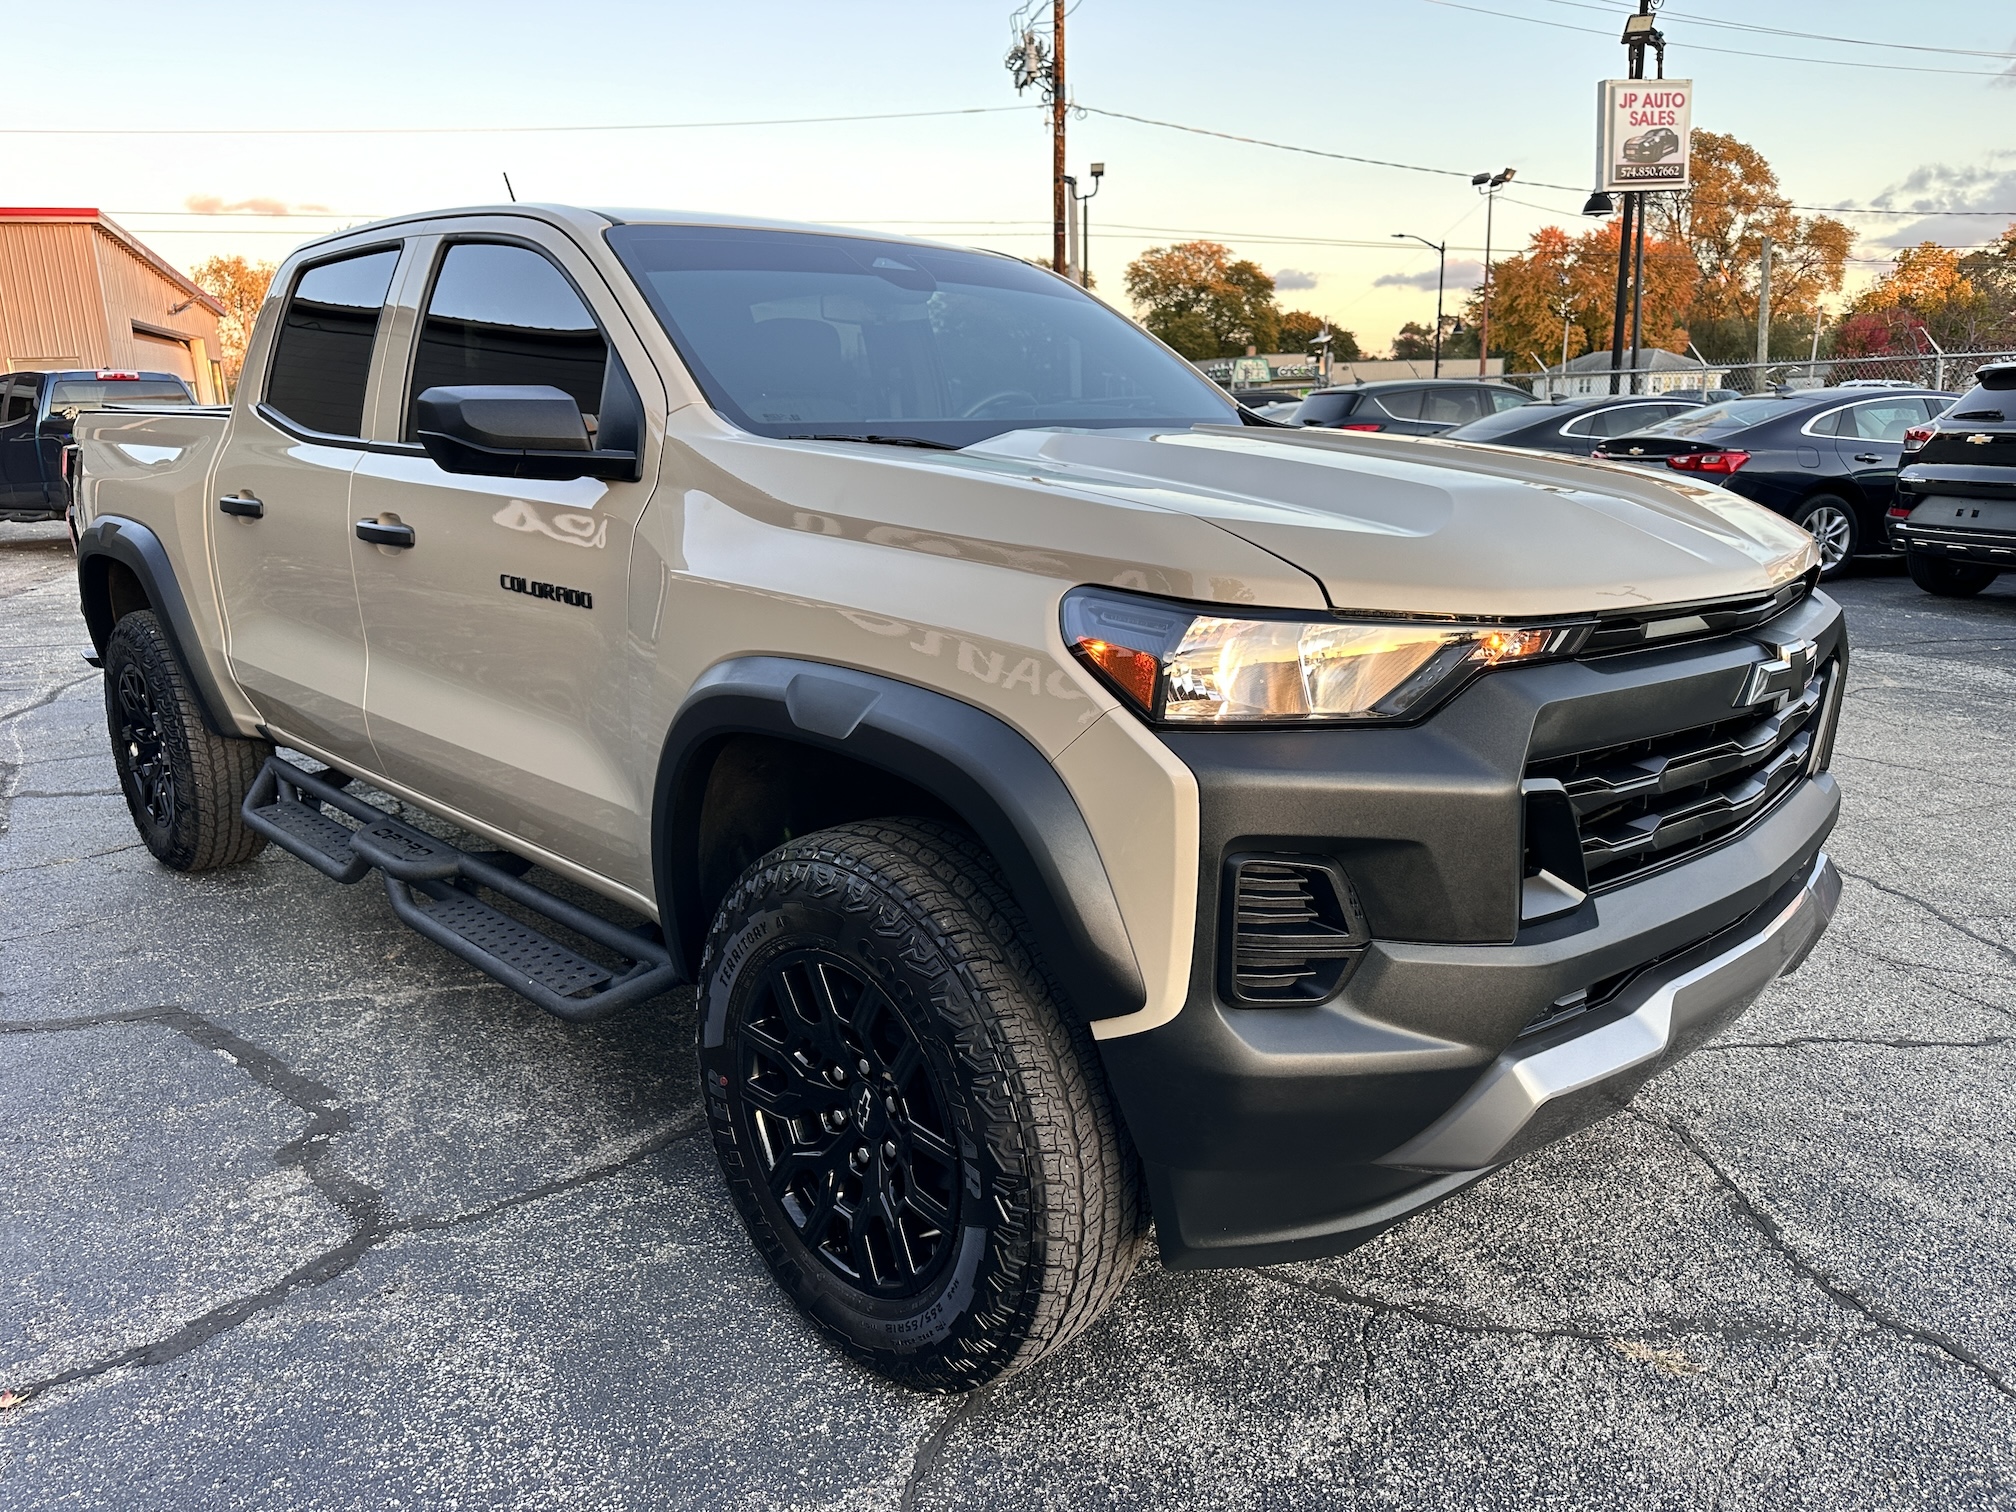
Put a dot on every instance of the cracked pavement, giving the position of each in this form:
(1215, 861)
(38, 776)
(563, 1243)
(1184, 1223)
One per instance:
(300, 1212)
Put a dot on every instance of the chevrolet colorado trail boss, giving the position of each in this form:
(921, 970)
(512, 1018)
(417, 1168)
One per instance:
(1073, 800)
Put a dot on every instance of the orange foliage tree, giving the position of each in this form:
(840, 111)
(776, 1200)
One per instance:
(239, 286)
(1561, 280)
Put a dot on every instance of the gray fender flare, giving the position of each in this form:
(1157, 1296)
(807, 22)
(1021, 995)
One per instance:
(979, 766)
(111, 538)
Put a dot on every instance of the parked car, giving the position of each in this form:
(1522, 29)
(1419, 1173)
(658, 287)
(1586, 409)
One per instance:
(1575, 426)
(1702, 396)
(1826, 458)
(1278, 410)
(1408, 406)
(1071, 799)
(36, 411)
(1954, 517)
(1652, 146)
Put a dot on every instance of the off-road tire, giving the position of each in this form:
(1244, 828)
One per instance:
(1946, 578)
(183, 784)
(1047, 1214)
(1833, 523)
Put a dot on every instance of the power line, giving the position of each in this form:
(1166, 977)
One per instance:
(280, 131)
(1345, 157)
(1734, 52)
(1776, 31)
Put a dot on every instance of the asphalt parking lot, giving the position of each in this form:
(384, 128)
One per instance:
(297, 1211)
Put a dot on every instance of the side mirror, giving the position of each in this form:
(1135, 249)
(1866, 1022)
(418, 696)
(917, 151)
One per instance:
(514, 431)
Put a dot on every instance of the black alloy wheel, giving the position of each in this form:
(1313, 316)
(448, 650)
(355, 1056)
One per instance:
(921, 1144)
(851, 1130)
(183, 782)
(150, 776)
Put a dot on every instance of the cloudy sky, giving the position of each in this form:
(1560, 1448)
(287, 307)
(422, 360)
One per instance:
(309, 108)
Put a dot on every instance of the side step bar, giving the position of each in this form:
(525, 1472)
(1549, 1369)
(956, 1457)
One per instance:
(434, 886)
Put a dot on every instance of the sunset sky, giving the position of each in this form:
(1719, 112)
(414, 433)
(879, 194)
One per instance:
(1476, 86)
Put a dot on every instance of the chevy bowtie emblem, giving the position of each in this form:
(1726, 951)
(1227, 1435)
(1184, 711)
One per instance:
(1979, 440)
(1785, 670)
(1637, 451)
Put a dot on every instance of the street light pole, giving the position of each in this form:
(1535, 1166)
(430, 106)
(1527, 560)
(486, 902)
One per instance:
(1441, 250)
(1084, 259)
(1488, 185)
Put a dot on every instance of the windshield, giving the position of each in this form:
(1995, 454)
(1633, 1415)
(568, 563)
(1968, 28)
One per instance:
(1717, 419)
(91, 393)
(802, 334)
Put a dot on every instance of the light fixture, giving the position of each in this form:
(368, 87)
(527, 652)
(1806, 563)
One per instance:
(1640, 28)
(1599, 203)
(1174, 665)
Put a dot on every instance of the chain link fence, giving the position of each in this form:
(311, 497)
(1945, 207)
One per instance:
(1664, 372)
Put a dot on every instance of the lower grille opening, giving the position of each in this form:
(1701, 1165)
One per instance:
(1294, 931)
(1645, 804)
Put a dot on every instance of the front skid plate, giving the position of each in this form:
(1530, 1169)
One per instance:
(433, 887)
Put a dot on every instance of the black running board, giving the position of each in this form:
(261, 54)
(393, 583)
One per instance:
(433, 887)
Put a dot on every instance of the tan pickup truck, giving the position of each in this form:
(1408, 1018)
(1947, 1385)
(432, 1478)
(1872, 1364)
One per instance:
(1077, 802)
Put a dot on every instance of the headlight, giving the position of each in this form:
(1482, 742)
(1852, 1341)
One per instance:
(1178, 665)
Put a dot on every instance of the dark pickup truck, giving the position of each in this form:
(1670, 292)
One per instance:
(36, 411)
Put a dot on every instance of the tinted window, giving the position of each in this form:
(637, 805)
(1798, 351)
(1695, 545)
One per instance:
(1325, 409)
(1623, 419)
(1719, 419)
(1454, 406)
(506, 315)
(1830, 425)
(20, 401)
(75, 393)
(1401, 404)
(1508, 399)
(322, 358)
(1886, 421)
(797, 333)
(1505, 423)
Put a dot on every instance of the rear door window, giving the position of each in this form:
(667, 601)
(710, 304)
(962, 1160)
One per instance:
(19, 403)
(1885, 420)
(1401, 404)
(1508, 399)
(322, 357)
(1454, 406)
(503, 314)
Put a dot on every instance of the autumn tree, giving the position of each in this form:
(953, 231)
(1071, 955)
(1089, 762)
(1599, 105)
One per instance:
(1300, 331)
(1961, 300)
(1203, 302)
(1570, 281)
(239, 286)
(1732, 204)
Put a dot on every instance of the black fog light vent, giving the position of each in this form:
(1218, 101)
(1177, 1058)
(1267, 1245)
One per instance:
(1293, 932)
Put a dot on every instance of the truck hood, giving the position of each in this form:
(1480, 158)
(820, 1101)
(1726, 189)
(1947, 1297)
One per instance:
(1423, 526)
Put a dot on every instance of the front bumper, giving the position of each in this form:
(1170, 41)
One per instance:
(1290, 1131)
(1537, 1091)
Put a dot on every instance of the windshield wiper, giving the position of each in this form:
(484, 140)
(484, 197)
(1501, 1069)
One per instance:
(881, 441)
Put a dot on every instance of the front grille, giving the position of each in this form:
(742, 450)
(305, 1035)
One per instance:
(1294, 931)
(1645, 804)
(1673, 624)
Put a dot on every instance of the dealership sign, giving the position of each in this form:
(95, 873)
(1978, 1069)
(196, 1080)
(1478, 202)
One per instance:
(1641, 133)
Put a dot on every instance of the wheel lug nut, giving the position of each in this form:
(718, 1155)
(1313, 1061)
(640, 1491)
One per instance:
(864, 1067)
(859, 1159)
(888, 1149)
(836, 1075)
(891, 1103)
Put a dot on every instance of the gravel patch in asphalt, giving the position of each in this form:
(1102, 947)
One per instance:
(297, 1211)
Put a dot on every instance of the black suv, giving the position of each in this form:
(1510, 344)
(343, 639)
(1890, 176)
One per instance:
(1954, 517)
(1408, 406)
(35, 414)
(1575, 426)
(1827, 458)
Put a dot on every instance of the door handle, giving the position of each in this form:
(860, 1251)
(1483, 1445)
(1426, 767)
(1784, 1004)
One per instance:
(243, 505)
(381, 534)
(1868, 456)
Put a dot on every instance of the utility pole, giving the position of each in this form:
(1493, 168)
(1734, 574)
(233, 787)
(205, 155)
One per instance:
(1031, 62)
(1060, 196)
(1763, 309)
(1441, 251)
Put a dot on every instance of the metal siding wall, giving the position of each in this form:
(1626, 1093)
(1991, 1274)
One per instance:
(51, 311)
(135, 291)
